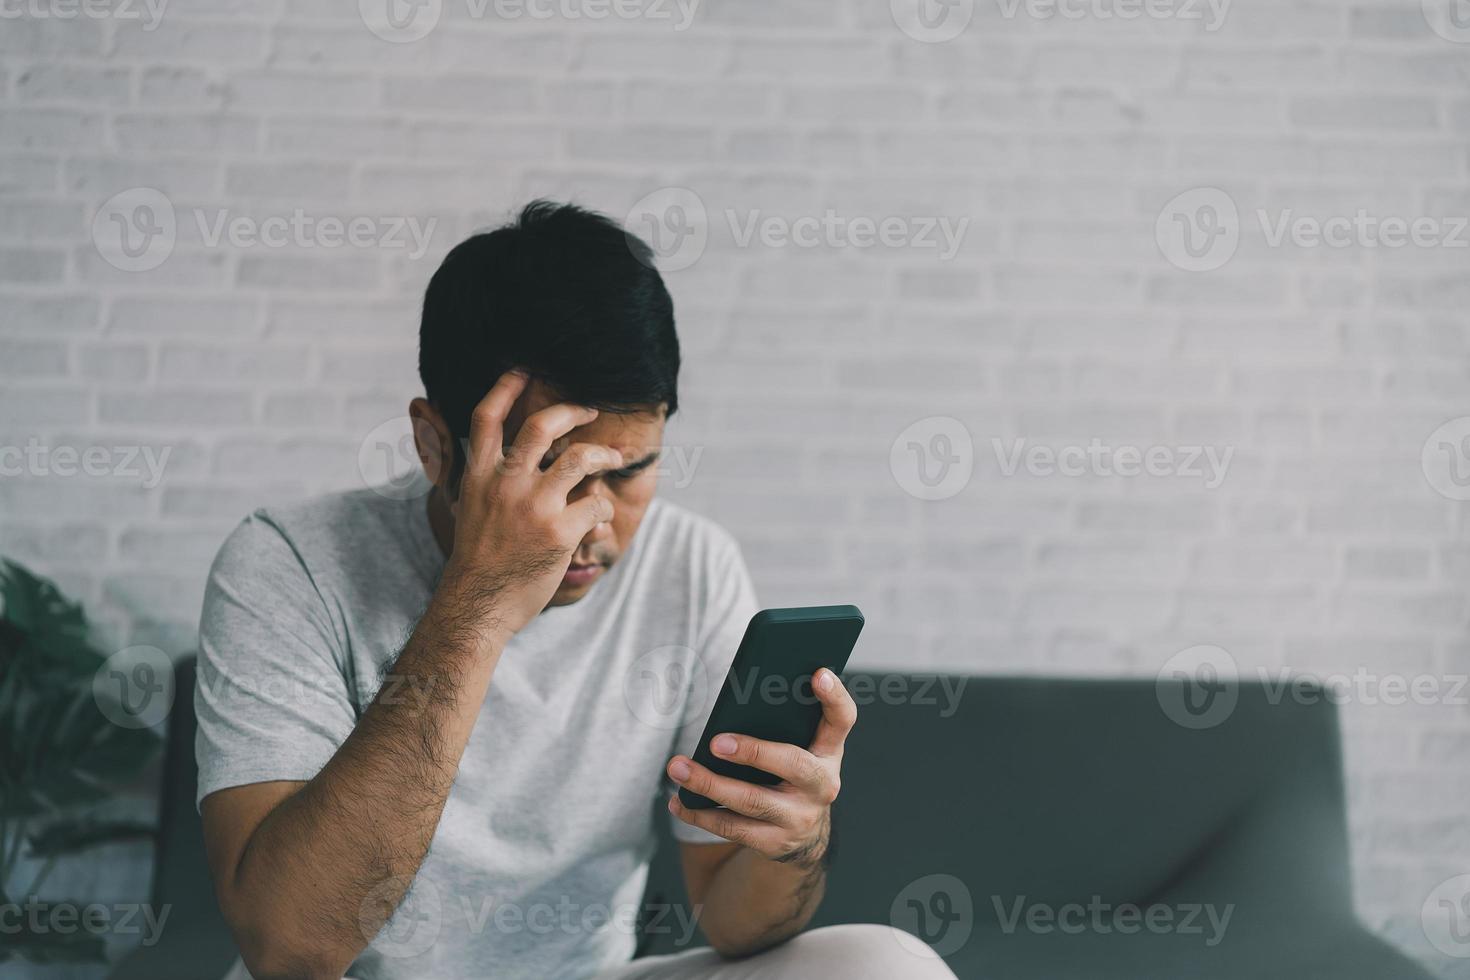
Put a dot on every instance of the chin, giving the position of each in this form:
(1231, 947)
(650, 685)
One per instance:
(565, 595)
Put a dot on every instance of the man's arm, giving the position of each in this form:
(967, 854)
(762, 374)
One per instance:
(302, 870)
(764, 886)
(306, 873)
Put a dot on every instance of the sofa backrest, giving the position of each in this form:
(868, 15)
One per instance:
(1060, 790)
(196, 943)
(1056, 790)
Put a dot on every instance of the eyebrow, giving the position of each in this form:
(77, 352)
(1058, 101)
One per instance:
(641, 464)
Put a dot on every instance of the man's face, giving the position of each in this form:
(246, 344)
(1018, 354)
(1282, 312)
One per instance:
(639, 437)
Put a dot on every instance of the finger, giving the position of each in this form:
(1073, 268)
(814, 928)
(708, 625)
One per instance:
(540, 430)
(487, 421)
(586, 514)
(839, 714)
(733, 827)
(790, 762)
(580, 459)
(742, 797)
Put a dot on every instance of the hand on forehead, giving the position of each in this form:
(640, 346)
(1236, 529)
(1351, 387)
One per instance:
(638, 432)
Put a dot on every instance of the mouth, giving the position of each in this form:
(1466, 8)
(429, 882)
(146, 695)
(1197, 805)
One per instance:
(579, 574)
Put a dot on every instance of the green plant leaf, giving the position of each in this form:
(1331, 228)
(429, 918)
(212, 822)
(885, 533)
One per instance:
(61, 751)
(46, 945)
(43, 635)
(35, 605)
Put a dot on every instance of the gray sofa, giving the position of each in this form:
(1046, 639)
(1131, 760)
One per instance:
(1017, 836)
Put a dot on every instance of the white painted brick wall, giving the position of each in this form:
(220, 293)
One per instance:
(1059, 320)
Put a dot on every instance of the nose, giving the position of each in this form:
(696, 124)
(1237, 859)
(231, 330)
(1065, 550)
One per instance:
(593, 485)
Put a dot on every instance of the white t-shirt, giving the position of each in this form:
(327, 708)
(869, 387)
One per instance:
(538, 865)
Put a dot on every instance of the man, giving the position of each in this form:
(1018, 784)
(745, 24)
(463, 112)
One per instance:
(420, 705)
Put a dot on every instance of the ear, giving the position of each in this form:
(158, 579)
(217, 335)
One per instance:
(434, 442)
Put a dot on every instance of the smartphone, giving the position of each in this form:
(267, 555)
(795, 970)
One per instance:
(768, 690)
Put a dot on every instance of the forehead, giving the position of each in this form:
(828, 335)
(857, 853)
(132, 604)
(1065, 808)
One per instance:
(643, 429)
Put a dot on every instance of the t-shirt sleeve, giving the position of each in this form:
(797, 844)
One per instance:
(271, 697)
(730, 602)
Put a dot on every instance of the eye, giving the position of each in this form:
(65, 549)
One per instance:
(626, 473)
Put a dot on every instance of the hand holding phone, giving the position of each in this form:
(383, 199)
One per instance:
(768, 763)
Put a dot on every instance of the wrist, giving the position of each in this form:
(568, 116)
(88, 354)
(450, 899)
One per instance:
(815, 854)
(466, 605)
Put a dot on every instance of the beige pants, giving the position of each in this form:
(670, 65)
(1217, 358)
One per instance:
(853, 952)
(856, 952)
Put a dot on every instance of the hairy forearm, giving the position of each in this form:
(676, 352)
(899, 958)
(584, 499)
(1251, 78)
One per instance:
(754, 902)
(334, 860)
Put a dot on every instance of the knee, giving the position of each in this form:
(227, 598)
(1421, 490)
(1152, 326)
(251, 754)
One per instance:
(869, 952)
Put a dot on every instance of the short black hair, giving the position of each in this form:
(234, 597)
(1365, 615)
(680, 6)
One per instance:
(562, 292)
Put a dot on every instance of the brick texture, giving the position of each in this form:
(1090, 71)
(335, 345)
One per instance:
(1056, 319)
